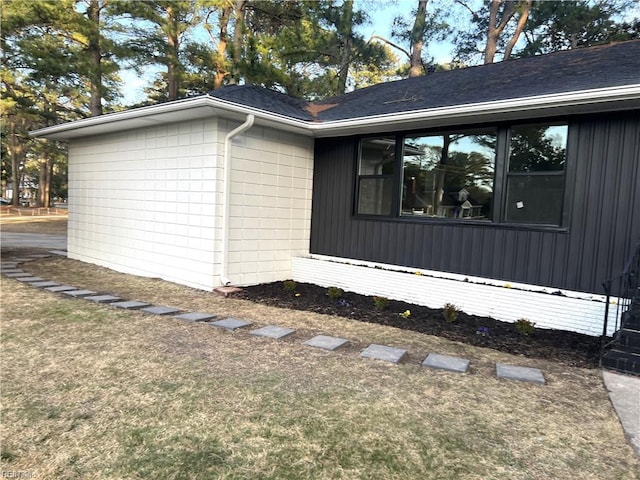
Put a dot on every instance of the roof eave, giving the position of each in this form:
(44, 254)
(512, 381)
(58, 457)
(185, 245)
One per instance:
(176, 111)
(561, 104)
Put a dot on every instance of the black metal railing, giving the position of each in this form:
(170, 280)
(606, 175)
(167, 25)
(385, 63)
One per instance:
(623, 286)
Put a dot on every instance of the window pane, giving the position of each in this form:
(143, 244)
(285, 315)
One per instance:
(535, 199)
(449, 176)
(374, 195)
(538, 148)
(377, 156)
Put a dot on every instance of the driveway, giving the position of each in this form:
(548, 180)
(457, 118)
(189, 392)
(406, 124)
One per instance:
(33, 240)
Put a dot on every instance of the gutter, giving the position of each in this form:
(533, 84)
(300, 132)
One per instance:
(224, 254)
(600, 96)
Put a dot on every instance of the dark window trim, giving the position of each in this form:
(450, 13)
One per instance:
(500, 177)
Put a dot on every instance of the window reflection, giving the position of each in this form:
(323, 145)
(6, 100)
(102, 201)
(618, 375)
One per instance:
(535, 178)
(450, 175)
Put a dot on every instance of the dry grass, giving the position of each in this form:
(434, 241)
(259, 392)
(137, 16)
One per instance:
(53, 224)
(89, 391)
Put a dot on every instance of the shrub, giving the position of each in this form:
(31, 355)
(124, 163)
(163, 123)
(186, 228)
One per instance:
(525, 327)
(289, 285)
(380, 302)
(450, 312)
(335, 293)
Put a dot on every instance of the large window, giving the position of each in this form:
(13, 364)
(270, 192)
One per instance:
(535, 179)
(494, 174)
(449, 176)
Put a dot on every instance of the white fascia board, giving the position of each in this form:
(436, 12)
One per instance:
(613, 98)
(176, 111)
(125, 120)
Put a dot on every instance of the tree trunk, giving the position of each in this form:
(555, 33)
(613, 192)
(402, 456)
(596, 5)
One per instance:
(95, 53)
(44, 192)
(496, 28)
(416, 67)
(345, 32)
(442, 170)
(17, 152)
(223, 42)
(173, 43)
(524, 15)
(238, 38)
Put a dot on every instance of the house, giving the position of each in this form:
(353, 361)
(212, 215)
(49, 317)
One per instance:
(509, 190)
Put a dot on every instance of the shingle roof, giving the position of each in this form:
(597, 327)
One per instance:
(603, 66)
(264, 99)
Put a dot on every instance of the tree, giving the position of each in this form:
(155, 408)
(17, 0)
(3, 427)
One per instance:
(495, 28)
(555, 26)
(53, 56)
(417, 33)
(157, 35)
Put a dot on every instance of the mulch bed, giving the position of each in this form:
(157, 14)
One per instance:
(572, 349)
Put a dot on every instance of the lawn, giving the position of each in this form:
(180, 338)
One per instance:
(53, 224)
(91, 392)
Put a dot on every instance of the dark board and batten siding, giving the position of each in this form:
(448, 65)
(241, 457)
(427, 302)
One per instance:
(603, 225)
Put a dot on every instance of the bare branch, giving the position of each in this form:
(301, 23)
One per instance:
(389, 42)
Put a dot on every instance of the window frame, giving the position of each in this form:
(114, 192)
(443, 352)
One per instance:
(500, 180)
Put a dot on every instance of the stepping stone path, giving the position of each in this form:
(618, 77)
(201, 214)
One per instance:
(61, 288)
(326, 342)
(79, 293)
(446, 362)
(522, 374)
(130, 304)
(230, 323)
(273, 331)
(102, 298)
(45, 284)
(19, 274)
(160, 310)
(380, 352)
(194, 317)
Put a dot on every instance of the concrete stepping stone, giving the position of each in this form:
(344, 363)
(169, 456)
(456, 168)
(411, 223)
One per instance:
(8, 271)
(130, 304)
(20, 273)
(326, 342)
(61, 288)
(58, 252)
(194, 317)
(79, 293)
(102, 298)
(381, 352)
(272, 331)
(160, 310)
(39, 255)
(20, 260)
(230, 323)
(521, 374)
(29, 279)
(446, 362)
(46, 283)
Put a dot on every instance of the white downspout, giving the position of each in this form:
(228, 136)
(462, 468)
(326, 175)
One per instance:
(224, 260)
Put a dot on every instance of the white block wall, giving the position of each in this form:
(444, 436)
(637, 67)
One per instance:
(270, 203)
(142, 201)
(573, 311)
(149, 202)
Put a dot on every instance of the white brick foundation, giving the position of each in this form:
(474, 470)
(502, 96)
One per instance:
(573, 311)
